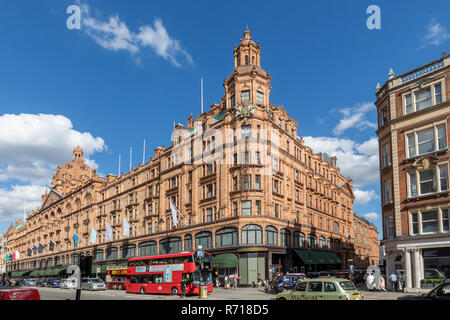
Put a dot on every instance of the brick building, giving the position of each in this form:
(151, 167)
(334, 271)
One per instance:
(413, 118)
(248, 188)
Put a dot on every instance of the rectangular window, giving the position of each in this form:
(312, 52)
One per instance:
(246, 132)
(385, 155)
(386, 191)
(149, 229)
(412, 185)
(233, 101)
(427, 181)
(438, 93)
(443, 178)
(445, 220)
(275, 164)
(425, 141)
(259, 97)
(246, 208)
(209, 214)
(258, 207)
(423, 99)
(430, 222)
(235, 208)
(258, 157)
(235, 183)
(442, 139)
(411, 145)
(389, 224)
(245, 95)
(275, 186)
(414, 223)
(408, 104)
(247, 182)
(257, 182)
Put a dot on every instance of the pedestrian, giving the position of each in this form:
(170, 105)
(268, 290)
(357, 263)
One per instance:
(370, 282)
(382, 283)
(235, 281)
(226, 284)
(183, 289)
(393, 279)
(259, 280)
(217, 282)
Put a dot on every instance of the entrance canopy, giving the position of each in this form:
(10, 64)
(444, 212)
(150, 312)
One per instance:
(225, 260)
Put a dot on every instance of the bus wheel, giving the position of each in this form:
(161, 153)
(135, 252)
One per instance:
(174, 291)
(142, 290)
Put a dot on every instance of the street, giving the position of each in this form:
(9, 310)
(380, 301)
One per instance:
(217, 294)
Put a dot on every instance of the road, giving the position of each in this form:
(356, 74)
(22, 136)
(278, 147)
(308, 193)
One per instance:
(217, 294)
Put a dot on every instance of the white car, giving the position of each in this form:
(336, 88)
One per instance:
(68, 284)
(93, 284)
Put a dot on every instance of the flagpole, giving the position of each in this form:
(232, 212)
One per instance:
(131, 156)
(202, 93)
(119, 166)
(143, 154)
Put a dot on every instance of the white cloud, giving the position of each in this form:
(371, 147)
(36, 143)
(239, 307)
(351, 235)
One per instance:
(372, 216)
(359, 161)
(364, 197)
(355, 118)
(436, 34)
(32, 146)
(12, 201)
(114, 35)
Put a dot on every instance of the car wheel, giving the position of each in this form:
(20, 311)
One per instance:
(142, 290)
(282, 299)
(174, 291)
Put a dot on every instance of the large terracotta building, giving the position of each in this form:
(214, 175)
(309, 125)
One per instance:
(249, 191)
(413, 118)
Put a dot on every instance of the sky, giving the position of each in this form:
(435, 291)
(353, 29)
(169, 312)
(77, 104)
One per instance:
(133, 68)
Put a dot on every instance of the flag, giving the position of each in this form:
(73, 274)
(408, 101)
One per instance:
(17, 255)
(7, 258)
(35, 249)
(51, 245)
(29, 252)
(126, 228)
(13, 256)
(41, 248)
(93, 236)
(75, 239)
(174, 213)
(108, 235)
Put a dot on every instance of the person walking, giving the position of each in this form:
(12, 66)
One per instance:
(259, 280)
(226, 284)
(370, 282)
(235, 281)
(382, 283)
(393, 279)
(183, 289)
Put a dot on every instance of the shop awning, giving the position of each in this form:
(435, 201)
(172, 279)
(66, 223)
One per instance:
(319, 257)
(55, 272)
(225, 260)
(103, 268)
(334, 258)
(304, 256)
(34, 273)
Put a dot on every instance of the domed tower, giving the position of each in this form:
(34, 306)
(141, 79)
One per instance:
(73, 174)
(249, 83)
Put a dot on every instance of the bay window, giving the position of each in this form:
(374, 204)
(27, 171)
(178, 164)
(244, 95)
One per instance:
(246, 208)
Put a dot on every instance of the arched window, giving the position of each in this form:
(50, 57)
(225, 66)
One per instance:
(337, 245)
(149, 248)
(170, 245)
(321, 242)
(271, 235)
(329, 243)
(251, 234)
(188, 242)
(312, 239)
(299, 239)
(97, 255)
(111, 253)
(75, 258)
(204, 239)
(246, 60)
(128, 251)
(285, 236)
(227, 237)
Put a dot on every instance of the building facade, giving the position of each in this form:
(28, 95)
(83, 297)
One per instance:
(3, 250)
(413, 119)
(247, 187)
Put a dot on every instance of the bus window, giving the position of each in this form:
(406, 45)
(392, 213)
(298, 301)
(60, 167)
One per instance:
(133, 279)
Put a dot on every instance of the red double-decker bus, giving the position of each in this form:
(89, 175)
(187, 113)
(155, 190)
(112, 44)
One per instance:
(163, 274)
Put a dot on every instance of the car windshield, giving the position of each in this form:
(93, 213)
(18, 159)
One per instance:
(96, 281)
(347, 285)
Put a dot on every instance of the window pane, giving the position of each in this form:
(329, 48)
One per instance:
(445, 220)
(411, 146)
(438, 93)
(425, 141)
(427, 181)
(443, 177)
(412, 185)
(442, 141)
(408, 104)
(423, 99)
(430, 221)
(414, 223)
(246, 208)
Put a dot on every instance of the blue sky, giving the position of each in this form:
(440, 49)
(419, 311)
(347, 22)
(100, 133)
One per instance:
(107, 91)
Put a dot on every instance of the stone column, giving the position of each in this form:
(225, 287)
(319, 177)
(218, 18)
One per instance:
(417, 273)
(408, 269)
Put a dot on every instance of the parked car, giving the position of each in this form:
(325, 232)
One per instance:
(42, 283)
(53, 283)
(68, 284)
(92, 284)
(30, 283)
(288, 281)
(312, 275)
(342, 275)
(440, 292)
(430, 273)
(20, 294)
(322, 289)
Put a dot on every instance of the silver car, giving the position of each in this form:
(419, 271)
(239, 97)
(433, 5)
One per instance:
(92, 284)
(68, 284)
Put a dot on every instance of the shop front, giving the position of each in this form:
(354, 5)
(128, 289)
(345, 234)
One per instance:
(436, 259)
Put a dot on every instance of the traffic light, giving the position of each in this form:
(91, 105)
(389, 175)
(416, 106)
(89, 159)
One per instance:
(86, 266)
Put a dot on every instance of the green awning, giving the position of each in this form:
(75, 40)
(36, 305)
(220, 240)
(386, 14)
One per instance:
(94, 268)
(334, 258)
(103, 268)
(318, 257)
(225, 260)
(55, 272)
(16, 274)
(304, 256)
(35, 273)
